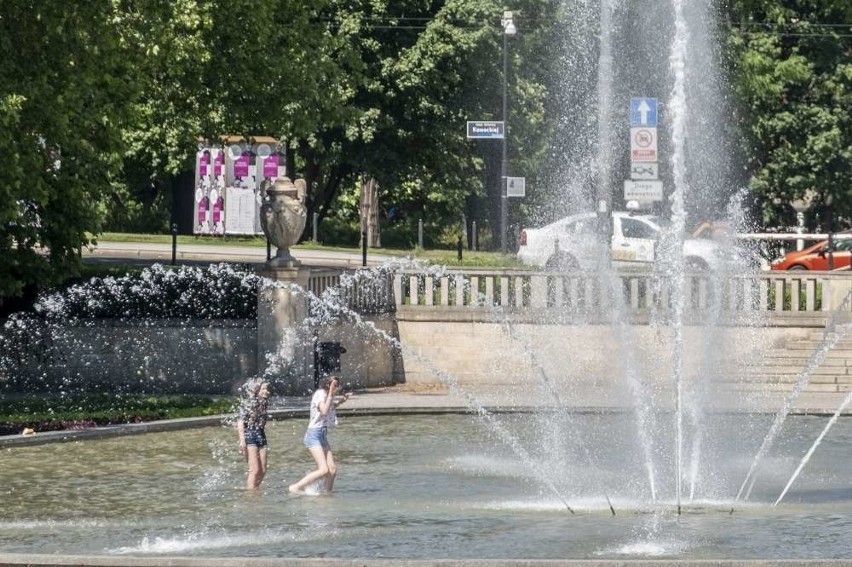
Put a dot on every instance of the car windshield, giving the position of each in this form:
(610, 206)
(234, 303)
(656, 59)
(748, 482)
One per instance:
(660, 221)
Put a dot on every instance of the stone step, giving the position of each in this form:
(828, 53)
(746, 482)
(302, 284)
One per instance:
(776, 387)
(791, 378)
(787, 368)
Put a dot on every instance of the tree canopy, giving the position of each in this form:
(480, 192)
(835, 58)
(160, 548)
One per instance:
(102, 105)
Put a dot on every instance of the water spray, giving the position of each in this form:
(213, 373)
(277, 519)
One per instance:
(507, 324)
(831, 336)
(337, 309)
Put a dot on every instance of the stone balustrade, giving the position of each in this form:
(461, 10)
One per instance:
(585, 295)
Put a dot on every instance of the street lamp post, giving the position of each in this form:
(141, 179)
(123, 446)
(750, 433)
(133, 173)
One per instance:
(508, 30)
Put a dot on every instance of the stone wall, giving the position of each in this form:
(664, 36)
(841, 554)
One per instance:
(160, 356)
(203, 357)
(594, 365)
(416, 347)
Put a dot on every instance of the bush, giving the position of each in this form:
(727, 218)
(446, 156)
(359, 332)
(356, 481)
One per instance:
(216, 292)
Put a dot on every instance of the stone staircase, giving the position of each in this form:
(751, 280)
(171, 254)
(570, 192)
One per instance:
(779, 369)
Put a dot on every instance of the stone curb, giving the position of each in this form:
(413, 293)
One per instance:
(131, 561)
(412, 404)
(65, 435)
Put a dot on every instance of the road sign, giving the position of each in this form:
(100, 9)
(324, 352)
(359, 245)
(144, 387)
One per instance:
(643, 112)
(492, 129)
(643, 191)
(644, 171)
(643, 144)
(516, 186)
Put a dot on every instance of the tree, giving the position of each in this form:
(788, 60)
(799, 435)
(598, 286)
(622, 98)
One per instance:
(66, 83)
(793, 66)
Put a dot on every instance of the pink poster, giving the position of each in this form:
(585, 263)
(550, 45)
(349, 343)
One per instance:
(203, 162)
(217, 210)
(270, 166)
(218, 161)
(241, 165)
(202, 212)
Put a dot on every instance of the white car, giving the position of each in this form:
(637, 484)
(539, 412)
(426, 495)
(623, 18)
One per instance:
(571, 243)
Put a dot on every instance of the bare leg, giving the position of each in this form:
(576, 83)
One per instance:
(263, 459)
(332, 471)
(318, 453)
(256, 470)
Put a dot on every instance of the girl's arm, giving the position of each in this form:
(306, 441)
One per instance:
(326, 404)
(241, 431)
(346, 396)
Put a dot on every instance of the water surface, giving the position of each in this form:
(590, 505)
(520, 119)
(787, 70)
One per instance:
(421, 487)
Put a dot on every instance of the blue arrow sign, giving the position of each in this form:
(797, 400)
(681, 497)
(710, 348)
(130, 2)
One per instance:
(643, 112)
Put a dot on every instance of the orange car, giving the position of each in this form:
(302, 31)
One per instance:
(816, 257)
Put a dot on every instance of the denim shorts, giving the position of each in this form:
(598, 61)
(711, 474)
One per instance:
(315, 436)
(256, 437)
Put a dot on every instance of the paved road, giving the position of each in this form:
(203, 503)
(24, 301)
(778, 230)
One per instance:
(147, 252)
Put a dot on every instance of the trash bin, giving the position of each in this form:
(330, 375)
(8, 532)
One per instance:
(326, 360)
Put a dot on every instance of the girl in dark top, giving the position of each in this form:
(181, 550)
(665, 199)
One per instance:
(251, 423)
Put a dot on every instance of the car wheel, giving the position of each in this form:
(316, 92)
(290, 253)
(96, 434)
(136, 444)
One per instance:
(797, 267)
(561, 262)
(694, 264)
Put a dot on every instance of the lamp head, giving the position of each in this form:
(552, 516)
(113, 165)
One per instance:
(508, 23)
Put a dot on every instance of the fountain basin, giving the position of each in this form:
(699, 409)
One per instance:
(428, 487)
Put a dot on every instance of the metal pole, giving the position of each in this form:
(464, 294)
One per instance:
(316, 225)
(420, 233)
(174, 243)
(364, 249)
(473, 235)
(503, 197)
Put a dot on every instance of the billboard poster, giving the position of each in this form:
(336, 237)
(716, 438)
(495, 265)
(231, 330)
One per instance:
(229, 186)
(217, 192)
(203, 186)
(242, 193)
(270, 167)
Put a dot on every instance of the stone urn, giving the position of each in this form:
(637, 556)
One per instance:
(282, 218)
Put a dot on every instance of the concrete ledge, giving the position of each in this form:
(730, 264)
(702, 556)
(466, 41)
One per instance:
(130, 561)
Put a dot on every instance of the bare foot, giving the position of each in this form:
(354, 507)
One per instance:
(294, 488)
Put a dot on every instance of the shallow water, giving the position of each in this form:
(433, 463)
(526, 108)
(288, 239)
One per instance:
(420, 487)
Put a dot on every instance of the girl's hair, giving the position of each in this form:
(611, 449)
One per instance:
(252, 387)
(325, 383)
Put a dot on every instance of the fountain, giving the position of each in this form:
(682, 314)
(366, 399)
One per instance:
(646, 463)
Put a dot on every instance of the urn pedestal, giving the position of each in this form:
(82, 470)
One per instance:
(284, 346)
(284, 355)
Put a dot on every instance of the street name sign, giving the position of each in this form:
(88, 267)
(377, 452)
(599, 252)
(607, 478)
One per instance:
(643, 191)
(492, 129)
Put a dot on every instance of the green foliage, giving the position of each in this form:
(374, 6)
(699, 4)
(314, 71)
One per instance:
(66, 86)
(44, 414)
(102, 105)
(794, 84)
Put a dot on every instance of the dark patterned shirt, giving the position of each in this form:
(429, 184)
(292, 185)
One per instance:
(253, 413)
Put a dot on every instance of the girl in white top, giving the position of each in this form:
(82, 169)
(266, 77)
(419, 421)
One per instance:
(316, 436)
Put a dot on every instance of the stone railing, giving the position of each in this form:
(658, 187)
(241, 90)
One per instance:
(366, 292)
(585, 295)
